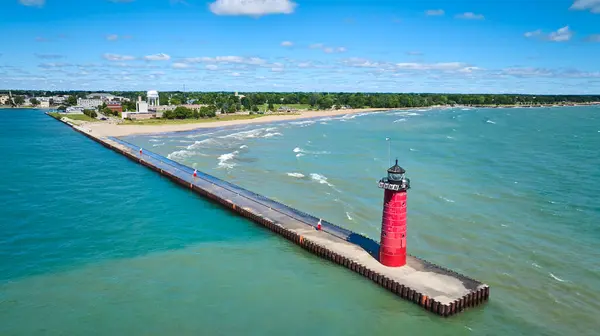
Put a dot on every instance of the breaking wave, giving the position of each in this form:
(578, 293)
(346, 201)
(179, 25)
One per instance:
(296, 175)
(303, 151)
(225, 158)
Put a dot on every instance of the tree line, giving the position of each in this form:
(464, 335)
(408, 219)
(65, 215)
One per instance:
(255, 101)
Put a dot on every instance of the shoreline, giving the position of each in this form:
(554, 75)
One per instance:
(116, 130)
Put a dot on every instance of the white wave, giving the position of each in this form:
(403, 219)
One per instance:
(193, 136)
(180, 154)
(348, 215)
(466, 109)
(303, 123)
(447, 199)
(412, 150)
(243, 146)
(321, 179)
(255, 133)
(269, 135)
(449, 137)
(400, 120)
(223, 160)
(159, 144)
(300, 150)
(299, 155)
(155, 140)
(296, 175)
(324, 123)
(422, 110)
(198, 144)
(490, 122)
(536, 265)
(557, 278)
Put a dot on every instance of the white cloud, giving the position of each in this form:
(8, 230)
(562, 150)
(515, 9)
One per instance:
(33, 3)
(534, 33)
(470, 16)
(235, 74)
(181, 66)
(435, 12)
(449, 66)
(340, 49)
(287, 44)
(591, 5)
(328, 50)
(157, 57)
(255, 8)
(561, 35)
(112, 37)
(115, 57)
(212, 67)
(227, 60)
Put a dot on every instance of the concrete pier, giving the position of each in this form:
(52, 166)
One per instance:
(432, 287)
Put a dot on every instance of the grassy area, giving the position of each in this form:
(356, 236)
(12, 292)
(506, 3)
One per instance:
(295, 106)
(80, 117)
(191, 121)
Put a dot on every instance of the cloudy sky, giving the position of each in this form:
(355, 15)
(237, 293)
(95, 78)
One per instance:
(491, 46)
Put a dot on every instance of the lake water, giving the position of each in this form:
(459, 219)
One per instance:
(90, 242)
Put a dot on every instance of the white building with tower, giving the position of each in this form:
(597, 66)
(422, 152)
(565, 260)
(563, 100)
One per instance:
(153, 99)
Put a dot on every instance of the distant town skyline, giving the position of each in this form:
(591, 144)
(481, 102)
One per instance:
(462, 46)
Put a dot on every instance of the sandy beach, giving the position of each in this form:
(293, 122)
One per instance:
(111, 129)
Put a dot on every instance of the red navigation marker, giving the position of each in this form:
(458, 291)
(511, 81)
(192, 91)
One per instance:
(195, 173)
(319, 225)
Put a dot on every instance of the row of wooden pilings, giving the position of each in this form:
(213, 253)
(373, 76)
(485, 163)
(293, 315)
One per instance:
(470, 300)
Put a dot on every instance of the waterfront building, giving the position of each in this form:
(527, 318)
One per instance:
(74, 110)
(89, 103)
(115, 106)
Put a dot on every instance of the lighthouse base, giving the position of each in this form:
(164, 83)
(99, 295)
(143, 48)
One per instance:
(392, 260)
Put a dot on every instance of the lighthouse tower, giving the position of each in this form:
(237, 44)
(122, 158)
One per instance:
(392, 251)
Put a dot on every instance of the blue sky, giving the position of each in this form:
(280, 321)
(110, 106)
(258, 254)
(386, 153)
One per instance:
(468, 46)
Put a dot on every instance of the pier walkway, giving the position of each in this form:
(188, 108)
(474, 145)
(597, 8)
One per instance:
(432, 287)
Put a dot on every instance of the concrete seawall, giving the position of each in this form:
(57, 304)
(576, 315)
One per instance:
(432, 287)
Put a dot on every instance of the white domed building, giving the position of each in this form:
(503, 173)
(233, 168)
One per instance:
(153, 99)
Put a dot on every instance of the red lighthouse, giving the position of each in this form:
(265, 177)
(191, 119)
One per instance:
(392, 251)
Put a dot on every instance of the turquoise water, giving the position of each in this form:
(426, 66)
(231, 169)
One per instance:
(93, 243)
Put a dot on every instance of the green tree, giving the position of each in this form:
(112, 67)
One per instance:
(90, 113)
(72, 100)
(271, 107)
(51, 102)
(19, 100)
(34, 102)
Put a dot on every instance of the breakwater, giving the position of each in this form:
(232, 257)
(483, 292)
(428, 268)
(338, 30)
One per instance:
(434, 288)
